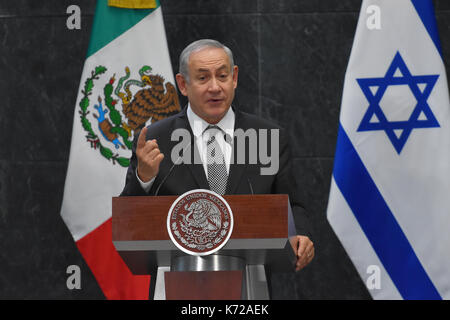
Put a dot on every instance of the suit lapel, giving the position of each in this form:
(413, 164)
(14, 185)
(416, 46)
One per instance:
(198, 172)
(237, 171)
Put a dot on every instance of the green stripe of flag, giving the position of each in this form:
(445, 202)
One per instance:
(111, 22)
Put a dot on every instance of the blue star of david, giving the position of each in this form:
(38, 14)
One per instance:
(421, 117)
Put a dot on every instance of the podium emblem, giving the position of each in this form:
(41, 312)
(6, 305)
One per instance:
(200, 222)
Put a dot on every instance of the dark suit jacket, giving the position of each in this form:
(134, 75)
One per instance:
(243, 178)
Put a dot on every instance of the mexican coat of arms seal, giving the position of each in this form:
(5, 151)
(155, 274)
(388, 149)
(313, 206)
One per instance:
(200, 222)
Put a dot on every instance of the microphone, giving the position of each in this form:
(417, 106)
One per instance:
(171, 168)
(227, 138)
(250, 186)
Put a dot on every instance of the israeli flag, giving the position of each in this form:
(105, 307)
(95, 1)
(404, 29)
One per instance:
(389, 201)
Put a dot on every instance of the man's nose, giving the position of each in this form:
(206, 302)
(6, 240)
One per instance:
(214, 85)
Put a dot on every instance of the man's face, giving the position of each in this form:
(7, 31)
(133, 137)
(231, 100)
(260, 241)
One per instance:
(211, 83)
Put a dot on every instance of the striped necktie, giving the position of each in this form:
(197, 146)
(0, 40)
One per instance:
(217, 170)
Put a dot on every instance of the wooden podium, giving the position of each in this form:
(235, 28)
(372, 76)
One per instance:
(259, 238)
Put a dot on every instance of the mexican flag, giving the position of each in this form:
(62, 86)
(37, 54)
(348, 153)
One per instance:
(127, 83)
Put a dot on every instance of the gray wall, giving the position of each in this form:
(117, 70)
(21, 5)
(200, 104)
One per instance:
(292, 56)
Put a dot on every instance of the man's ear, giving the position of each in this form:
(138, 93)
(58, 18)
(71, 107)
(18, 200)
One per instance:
(181, 82)
(235, 76)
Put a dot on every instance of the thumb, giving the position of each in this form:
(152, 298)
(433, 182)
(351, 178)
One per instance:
(302, 245)
(158, 159)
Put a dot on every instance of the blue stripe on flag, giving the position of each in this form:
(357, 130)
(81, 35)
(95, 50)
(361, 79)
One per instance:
(379, 224)
(425, 10)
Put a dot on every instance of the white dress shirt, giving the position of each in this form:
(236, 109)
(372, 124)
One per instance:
(198, 126)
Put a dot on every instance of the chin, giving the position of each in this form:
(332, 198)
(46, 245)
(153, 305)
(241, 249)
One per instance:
(216, 115)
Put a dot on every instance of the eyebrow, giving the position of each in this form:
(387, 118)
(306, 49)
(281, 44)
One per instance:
(224, 66)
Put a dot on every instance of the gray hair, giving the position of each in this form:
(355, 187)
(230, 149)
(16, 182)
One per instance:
(197, 46)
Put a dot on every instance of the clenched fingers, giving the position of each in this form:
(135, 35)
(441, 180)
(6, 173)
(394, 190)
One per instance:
(149, 157)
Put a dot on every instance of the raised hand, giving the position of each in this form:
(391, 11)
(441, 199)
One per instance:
(149, 157)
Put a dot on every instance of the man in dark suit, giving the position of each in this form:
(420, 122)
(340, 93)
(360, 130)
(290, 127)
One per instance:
(208, 77)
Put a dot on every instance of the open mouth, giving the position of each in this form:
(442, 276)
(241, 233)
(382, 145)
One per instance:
(214, 101)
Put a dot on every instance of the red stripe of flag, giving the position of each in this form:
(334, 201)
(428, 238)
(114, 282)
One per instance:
(112, 274)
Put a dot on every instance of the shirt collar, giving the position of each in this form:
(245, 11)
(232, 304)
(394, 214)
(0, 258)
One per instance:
(198, 125)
